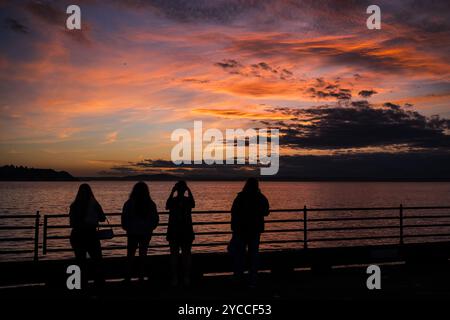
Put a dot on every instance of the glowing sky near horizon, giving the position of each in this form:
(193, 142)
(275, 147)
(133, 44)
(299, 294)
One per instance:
(84, 101)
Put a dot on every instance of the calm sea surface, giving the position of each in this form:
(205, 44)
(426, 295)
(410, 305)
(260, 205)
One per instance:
(55, 198)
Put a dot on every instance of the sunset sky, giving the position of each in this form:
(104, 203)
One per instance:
(104, 100)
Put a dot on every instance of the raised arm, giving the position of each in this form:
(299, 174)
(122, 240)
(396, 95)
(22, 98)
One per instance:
(191, 198)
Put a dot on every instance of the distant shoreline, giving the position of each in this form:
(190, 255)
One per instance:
(16, 173)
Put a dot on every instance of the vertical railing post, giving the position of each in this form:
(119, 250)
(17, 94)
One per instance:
(44, 236)
(36, 237)
(401, 224)
(305, 228)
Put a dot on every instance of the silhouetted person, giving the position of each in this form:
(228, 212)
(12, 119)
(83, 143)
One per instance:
(85, 215)
(139, 219)
(247, 223)
(180, 233)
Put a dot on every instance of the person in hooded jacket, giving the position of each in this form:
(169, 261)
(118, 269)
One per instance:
(247, 223)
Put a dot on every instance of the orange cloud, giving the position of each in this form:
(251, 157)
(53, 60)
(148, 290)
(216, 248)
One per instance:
(242, 114)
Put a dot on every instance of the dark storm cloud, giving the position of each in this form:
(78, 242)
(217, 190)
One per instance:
(228, 64)
(220, 11)
(367, 93)
(381, 166)
(361, 125)
(16, 26)
(262, 65)
(260, 70)
(411, 146)
(322, 89)
(194, 171)
(53, 13)
(332, 92)
(426, 16)
(47, 11)
(193, 80)
(392, 106)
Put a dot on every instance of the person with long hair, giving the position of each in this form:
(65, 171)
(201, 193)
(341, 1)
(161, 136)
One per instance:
(139, 219)
(247, 223)
(180, 233)
(85, 214)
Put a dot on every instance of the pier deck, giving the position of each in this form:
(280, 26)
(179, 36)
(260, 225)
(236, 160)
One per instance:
(408, 271)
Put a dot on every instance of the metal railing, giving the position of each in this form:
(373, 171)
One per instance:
(33, 226)
(307, 227)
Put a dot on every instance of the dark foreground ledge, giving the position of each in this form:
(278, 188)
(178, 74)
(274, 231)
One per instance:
(409, 271)
(399, 282)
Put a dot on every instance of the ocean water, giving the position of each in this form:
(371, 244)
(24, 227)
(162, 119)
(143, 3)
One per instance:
(55, 198)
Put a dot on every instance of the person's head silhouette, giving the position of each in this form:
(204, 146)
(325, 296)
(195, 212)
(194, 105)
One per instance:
(181, 187)
(251, 185)
(84, 194)
(140, 192)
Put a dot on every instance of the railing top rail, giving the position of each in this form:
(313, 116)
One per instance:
(62, 215)
(377, 208)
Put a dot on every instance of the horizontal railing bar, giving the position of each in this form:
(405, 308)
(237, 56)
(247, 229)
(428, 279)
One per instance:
(377, 227)
(167, 246)
(426, 225)
(16, 227)
(267, 221)
(425, 208)
(70, 250)
(440, 216)
(354, 238)
(116, 214)
(350, 219)
(427, 235)
(352, 228)
(18, 216)
(353, 209)
(16, 239)
(163, 234)
(282, 220)
(102, 226)
(282, 230)
(16, 251)
(376, 208)
(194, 223)
(204, 223)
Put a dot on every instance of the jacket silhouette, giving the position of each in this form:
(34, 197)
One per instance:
(84, 216)
(139, 219)
(180, 228)
(247, 223)
(248, 212)
(180, 232)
